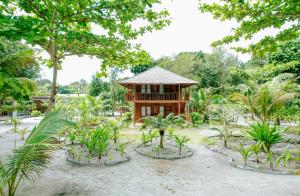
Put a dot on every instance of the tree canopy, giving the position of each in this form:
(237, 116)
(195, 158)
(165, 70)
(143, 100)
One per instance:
(64, 28)
(256, 16)
(17, 61)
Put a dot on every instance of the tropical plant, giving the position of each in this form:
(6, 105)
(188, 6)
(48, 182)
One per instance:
(94, 105)
(270, 159)
(22, 132)
(16, 59)
(145, 138)
(225, 133)
(114, 127)
(29, 161)
(200, 101)
(265, 100)
(264, 133)
(35, 113)
(100, 137)
(181, 141)
(285, 158)
(122, 149)
(256, 149)
(196, 118)
(245, 153)
(162, 123)
(72, 135)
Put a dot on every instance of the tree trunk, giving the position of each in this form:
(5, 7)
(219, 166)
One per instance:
(161, 133)
(113, 98)
(277, 120)
(54, 85)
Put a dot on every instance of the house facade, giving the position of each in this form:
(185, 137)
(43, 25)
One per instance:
(157, 91)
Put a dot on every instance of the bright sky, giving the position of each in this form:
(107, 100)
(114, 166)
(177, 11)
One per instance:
(190, 30)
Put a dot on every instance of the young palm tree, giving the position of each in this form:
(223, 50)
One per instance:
(162, 123)
(29, 161)
(268, 98)
(200, 102)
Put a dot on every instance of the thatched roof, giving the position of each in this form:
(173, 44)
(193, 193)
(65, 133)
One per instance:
(158, 75)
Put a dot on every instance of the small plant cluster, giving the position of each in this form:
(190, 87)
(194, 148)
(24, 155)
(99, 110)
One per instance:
(265, 137)
(96, 140)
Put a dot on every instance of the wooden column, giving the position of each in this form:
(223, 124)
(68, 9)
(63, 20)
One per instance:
(179, 99)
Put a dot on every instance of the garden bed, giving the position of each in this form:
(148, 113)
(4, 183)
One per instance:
(235, 159)
(169, 152)
(78, 154)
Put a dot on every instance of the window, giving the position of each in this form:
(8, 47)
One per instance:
(148, 88)
(143, 89)
(161, 109)
(146, 111)
(161, 89)
(143, 110)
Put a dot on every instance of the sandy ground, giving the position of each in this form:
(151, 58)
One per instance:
(205, 173)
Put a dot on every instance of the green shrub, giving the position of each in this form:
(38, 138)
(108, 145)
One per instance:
(36, 113)
(196, 118)
(264, 133)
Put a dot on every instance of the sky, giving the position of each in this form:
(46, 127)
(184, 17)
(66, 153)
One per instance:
(190, 30)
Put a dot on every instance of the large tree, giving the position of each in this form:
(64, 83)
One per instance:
(64, 27)
(256, 16)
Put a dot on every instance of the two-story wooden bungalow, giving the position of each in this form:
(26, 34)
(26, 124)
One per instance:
(157, 90)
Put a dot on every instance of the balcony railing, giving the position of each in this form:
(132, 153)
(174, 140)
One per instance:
(153, 96)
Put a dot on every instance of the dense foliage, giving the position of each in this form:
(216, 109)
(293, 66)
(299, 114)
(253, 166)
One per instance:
(256, 16)
(17, 62)
(64, 28)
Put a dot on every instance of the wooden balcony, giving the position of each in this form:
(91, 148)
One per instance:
(154, 96)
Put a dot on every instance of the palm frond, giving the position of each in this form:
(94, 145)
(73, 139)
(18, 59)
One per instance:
(48, 127)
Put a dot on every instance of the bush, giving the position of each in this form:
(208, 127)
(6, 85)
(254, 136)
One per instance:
(36, 113)
(264, 133)
(196, 118)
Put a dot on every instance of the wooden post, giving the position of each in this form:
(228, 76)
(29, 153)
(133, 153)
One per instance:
(179, 98)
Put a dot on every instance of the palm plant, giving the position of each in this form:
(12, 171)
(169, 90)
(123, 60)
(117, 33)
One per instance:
(256, 149)
(180, 141)
(265, 134)
(162, 123)
(95, 104)
(22, 133)
(200, 101)
(29, 161)
(266, 99)
(245, 152)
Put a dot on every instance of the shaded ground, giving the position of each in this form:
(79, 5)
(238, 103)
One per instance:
(205, 173)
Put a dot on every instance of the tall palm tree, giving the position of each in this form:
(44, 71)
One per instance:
(200, 102)
(29, 161)
(269, 97)
(14, 59)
